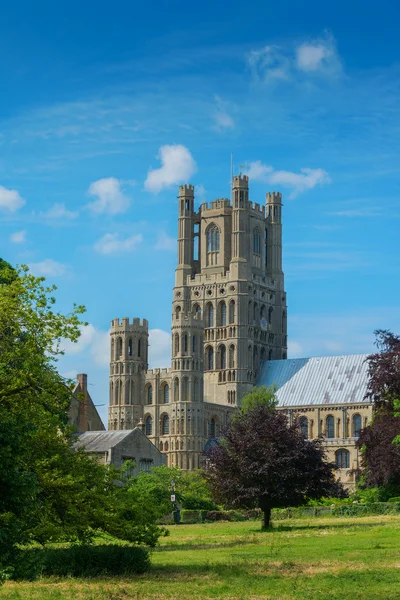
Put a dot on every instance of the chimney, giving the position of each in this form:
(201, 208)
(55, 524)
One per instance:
(82, 380)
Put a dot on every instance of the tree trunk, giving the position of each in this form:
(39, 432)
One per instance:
(266, 518)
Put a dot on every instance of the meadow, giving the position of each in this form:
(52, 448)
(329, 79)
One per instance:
(304, 559)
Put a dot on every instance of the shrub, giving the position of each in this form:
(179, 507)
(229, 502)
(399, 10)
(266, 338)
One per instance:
(193, 502)
(191, 516)
(81, 561)
(394, 499)
(218, 515)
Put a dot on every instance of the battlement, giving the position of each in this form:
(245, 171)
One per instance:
(125, 323)
(274, 198)
(186, 190)
(220, 203)
(257, 208)
(240, 181)
(157, 371)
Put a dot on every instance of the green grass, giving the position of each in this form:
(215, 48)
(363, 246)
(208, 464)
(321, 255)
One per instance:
(302, 559)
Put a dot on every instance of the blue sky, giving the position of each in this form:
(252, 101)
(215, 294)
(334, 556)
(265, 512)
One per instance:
(106, 108)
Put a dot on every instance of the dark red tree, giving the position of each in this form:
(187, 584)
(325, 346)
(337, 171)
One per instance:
(380, 456)
(384, 370)
(262, 462)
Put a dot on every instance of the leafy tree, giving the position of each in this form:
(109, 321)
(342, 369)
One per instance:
(384, 371)
(259, 396)
(263, 462)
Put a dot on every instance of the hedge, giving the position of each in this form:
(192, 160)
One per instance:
(81, 561)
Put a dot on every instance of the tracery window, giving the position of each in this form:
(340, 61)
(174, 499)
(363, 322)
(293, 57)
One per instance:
(330, 426)
(166, 393)
(210, 358)
(148, 425)
(222, 314)
(357, 425)
(210, 315)
(165, 425)
(213, 236)
(342, 458)
(304, 427)
(150, 395)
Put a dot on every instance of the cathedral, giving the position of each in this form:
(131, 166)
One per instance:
(229, 333)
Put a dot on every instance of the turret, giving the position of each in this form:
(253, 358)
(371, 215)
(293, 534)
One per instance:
(128, 364)
(274, 235)
(240, 200)
(185, 233)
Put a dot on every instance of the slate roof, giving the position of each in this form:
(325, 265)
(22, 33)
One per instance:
(317, 381)
(102, 441)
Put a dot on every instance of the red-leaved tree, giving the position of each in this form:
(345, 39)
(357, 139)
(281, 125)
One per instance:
(384, 370)
(261, 461)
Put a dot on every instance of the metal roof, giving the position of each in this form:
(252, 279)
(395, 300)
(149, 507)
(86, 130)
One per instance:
(321, 380)
(102, 441)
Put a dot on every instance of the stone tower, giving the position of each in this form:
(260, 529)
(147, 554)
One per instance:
(228, 316)
(128, 365)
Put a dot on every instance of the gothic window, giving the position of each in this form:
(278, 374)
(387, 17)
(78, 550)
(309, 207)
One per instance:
(249, 357)
(185, 389)
(130, 349)
(262, 312)
(113, 357)
(209, 358)
(330, 426)
(342, 459)
(222, 314)
(139, 348)
(357, 425)
(148, 425)
(165, 425)
(265, 248)
(150, 395)
(270, 355)
(255, 358)
(213, 238)
(194, 344)
(177, 312)
(232, 311)
(185, 343)
(176, 389)
(119, 348)
(117, 392)
(250, 315)
(210, 315)
(212, 427)
(304, 427)
(284, 322)
(232, 357)
(270, 313)
(196, 389)
(212, 244)
(197, 311)
(161, 447)
(255, 313)
(176, 344)
(262, 357)
(256, 242)
(222, 357)
(166, 393)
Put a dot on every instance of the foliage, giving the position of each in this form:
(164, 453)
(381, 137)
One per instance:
(155, 488)
(81, 561)
(259, 396)
(384, 371)
(261, 461)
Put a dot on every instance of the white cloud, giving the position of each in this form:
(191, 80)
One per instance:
(223, 119)
(373, 211)
(318, 56)
(19, 237)
(165, 242)
(48, 267)
(295, 349)
(109, 197)
(160, 348)
(111, 243)
(10, 200)
(59, 212)
(93, 341)
(269, 63)
(297, 182)
(178, 165)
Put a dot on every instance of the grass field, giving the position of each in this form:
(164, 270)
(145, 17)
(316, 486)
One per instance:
(332, 558)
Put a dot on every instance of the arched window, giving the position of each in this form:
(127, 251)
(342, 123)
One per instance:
(255, 358)
(161, 447)
(166, 393)
(255, 312)
(119, 348)
(131, 393)
(270, 355)
(148, 425)
(150, 395)
(176, 389)
(212, 238)
(185, 389)
(284, 319)
(270, 313)
(130, 348)
(196, 389)
(262, 312)
(304, 427)
(176, 344)
(165, 425)
(118, 386)
(342, 458)
(256, 241)
(177, 312)
(139, 348)
(357, 425)
(210, 315)
(222, 314)
(249, 357)
(185, 343)
(194, 344)
(232, 311)
(250, 312)
(222, 357)
(212, 427)
(232, 357)
(197, 310)
(113, 357)
(210, 358)
(330, 426)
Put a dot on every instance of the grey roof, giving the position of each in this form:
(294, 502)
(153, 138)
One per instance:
(322, 380)
(102, 441)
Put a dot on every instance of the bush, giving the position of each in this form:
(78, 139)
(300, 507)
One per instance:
(81, 561)
(193, 502)
(218, 515)
(191, 516)
(394, 499)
